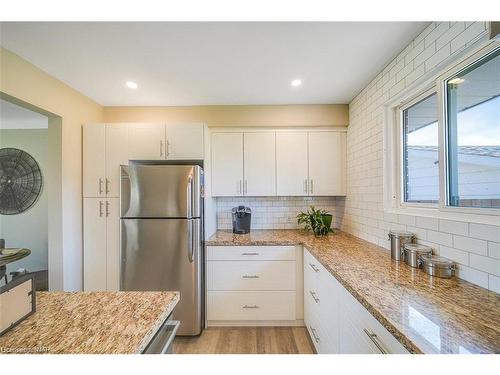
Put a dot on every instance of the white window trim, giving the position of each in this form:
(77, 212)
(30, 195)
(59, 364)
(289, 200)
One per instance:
(393, 182)
(400, 145)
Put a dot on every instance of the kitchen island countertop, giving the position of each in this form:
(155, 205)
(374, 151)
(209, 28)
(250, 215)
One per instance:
(426, 314)
(90, 323)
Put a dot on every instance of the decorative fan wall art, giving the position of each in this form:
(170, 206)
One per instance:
(20, 181)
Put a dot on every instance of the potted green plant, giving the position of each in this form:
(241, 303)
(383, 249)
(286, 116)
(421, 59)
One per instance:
(318, 221)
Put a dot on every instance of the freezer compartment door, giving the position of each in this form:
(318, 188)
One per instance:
(170, 191)
(165, 254)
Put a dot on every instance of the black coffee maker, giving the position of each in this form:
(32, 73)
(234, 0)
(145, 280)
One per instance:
(242, 217)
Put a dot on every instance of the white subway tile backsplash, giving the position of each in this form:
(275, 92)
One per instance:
(494, 283)
(487, 232)
(472, 245)
(470, 34)
(472, 275)
(494, 250)
(440, 29)
(427, 222)
(274, 212)
(485, 264)
(437, 57)
(426, 54)
(450, 34)
(458, 256)
(406, 219)
(454, 227)
(440, 238)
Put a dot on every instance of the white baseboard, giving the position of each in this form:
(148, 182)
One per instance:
(255, 323)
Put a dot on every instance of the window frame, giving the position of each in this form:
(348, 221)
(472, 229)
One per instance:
(393, 163)
(444, 146)
(401, 154)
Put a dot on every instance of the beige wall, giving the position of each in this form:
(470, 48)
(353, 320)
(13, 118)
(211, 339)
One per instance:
(236, 115)
(21, 80)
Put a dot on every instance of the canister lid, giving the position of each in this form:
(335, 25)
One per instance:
(437, 261)
(418, 248)
(398, 233)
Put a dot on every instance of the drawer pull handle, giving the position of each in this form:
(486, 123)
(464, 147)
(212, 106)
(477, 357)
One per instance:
(250, 277)
(375, 341)
(315, 336)
(313, 294)
(249, 253)
(316, 269)
(250, 306)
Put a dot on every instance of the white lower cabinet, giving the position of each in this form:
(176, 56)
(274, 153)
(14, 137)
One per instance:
(256, 284)
(101, 240)
(251, 305)
(336, 321)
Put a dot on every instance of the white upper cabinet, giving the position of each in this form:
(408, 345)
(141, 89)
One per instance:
(227, 164)
(291, 163)
(116, 154)
(259, 164)
(184, 141)
(279, 163)
(327, 160)
(146, 141)
(94, 144)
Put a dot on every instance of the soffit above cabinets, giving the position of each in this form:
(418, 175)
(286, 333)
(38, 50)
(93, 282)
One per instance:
(214, 63)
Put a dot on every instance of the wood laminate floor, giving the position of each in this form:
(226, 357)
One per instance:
(246, 340)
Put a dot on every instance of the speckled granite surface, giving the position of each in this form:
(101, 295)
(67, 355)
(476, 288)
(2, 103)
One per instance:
(426, 314)
(90, 323)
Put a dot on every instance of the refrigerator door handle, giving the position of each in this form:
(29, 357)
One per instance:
(190, 196)
(193, 238)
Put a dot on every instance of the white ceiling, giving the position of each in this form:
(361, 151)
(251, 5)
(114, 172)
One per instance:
(13, 116)
(212, 63)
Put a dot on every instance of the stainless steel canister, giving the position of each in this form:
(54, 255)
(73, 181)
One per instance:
(412, 253)
(398, 239)
(438, 266)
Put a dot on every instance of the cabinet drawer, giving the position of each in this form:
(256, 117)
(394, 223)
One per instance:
(251, 253)
(312, 266)
(251, 275)
(251, 305)
(366, 324)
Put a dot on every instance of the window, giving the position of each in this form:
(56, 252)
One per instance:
(420, 151)
(442, 142)
(473, 134)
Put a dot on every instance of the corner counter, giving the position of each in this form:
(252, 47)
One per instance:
(425, 314)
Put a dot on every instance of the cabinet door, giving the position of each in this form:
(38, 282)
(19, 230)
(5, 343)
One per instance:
(116, 154)
(146, 141)
(327, 161)
(184, 141)
(94, 244)
(259, 164)
(94, 143)
(291, 163)
(227, 164)
(113, 244)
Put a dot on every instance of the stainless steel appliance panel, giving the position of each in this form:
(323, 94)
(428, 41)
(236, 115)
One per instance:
(169, 191)
(165, 254)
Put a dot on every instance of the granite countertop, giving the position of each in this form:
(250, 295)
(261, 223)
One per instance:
(426, 314)
(90, 323)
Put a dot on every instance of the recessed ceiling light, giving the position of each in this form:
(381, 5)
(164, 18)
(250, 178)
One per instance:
(296, 82)
(456, 81)
(131, 85)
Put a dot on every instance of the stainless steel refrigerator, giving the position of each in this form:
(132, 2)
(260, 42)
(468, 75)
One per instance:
(162, 236)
